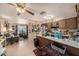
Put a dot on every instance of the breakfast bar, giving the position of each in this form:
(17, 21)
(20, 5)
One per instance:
(72, 46)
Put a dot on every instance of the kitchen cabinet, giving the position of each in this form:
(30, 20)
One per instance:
(78, 23)
(62, 24)
(43, 42)
(55, 24)
(49, 26)
(71, 23)
(70, 45)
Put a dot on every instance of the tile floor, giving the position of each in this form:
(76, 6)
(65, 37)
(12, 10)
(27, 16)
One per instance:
(22, 48)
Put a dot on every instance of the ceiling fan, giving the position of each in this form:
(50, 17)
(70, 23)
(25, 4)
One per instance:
(21, 7)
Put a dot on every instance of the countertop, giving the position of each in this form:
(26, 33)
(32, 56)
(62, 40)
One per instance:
(62, 41)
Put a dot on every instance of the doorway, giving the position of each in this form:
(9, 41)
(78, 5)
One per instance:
(22, 30)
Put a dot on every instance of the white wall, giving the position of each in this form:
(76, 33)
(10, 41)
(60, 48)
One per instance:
(21, 21)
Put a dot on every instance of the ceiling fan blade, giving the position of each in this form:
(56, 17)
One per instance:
(29, 12)
(19, 5)
(11, 4)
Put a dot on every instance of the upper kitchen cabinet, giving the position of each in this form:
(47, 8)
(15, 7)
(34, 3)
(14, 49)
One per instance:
(78, 22)
(55, 24)
(49, 26)
(62, 24)
(71, 23)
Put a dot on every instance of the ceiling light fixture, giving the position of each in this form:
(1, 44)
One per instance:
(20, 8)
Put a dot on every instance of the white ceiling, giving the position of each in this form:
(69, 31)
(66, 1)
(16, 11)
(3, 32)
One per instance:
(59, 11)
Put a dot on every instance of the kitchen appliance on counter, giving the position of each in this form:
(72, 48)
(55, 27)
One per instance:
(75, 37)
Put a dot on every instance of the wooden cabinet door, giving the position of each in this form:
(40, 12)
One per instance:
(78, 23)
(44, 42)
(62, 24)
(71, 23)
(49, 26)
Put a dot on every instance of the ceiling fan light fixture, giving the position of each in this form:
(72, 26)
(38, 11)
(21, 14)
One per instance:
(20, 10)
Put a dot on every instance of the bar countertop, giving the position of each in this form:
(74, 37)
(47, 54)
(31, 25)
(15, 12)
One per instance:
(61, 41)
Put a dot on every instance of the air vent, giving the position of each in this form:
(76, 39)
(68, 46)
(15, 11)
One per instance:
(43, 12)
